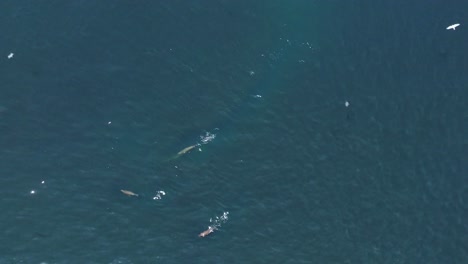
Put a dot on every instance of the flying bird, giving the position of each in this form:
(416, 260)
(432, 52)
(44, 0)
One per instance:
(454, 26)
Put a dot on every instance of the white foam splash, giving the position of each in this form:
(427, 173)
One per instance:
(207, 137)
(159, 195)
(219, 220)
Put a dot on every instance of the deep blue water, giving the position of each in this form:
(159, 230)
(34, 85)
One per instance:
(100, 95)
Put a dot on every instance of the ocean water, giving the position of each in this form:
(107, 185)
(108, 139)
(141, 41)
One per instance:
(337, 131)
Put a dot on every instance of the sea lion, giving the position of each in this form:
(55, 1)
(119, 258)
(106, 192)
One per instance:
(187, 149)
(182, 152)
(129, 193)
(207, 232)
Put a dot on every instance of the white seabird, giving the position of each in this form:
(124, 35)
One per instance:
(453, 26)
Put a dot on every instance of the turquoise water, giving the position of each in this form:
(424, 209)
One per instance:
(98, 97)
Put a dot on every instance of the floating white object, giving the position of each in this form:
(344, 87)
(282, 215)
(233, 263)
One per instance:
(346, 103)
(158, 195)
(454, 26)
(11, 55)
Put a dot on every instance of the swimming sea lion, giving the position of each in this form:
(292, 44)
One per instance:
(129, 193)
(207, 232)
(182, 152)
(187, 149)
